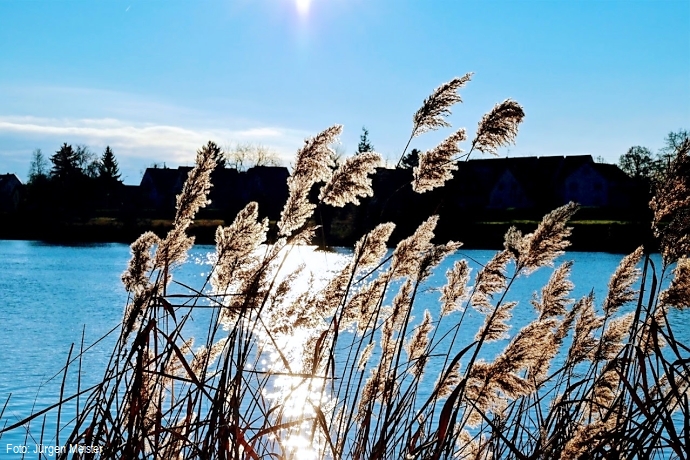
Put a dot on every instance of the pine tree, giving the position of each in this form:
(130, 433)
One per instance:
(108, 169)
(364, 142)
(65, 164)
(217, 154)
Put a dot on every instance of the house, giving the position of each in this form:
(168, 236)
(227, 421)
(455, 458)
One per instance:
(539, 183)
(10, 192)
(267, 185)
(231, 189)
(160, 186)
(509, 193)
(598, 185)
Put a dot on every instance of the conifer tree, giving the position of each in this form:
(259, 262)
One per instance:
(108, 168)
(65, 164)
(364, 142)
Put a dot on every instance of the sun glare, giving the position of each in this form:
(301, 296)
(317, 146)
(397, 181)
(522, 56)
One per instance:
(303, 6)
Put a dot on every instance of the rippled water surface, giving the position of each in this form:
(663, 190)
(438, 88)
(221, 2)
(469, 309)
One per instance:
(50, 294)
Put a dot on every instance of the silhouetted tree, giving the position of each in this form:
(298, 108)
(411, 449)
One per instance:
(39, 193)
(108, 169)
(88, 162)
(638, 163)
(364, 142)
(38, 169)
(65, 164)
(672, 143)
(410, 160)
(245, 156)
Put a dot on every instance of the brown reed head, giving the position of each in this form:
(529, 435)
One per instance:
(499, 127)
(436, 107)
(436, 166)
(342, 369)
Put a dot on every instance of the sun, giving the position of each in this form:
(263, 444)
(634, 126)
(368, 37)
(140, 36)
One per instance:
(303, 6)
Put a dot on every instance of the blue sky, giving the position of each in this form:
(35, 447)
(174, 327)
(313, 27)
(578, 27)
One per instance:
(155, 80)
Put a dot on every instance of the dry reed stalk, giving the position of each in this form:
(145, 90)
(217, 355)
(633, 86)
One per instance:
(498, 127)
(416, 347)
(678, 293)
(313, 164)
(351, 180)
(455, 291)
(436, 166)
(271, 378)
(671, 207)
(547, 242)
(437, 106)
(554, 294)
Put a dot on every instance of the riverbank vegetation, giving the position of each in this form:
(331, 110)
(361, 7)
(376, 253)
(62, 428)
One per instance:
(342, 369)
(81, 199)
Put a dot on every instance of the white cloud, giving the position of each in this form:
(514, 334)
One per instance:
(147, 141)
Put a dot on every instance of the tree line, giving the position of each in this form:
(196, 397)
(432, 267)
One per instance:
(75, 178)
(72, 164)
(648, 168)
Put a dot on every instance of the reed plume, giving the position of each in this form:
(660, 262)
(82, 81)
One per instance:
(678, 293)
(364, 357)
(235, 246)
(136, 277)
(371, 247)
(363, 304)
(416, 348)
(547, 242)
(313, 164)
(490, 280)
(194, 196)
(455, 290)
(436, 107)
(331, 365)
(408, 252)
(554, 295)
(671, 207)
(436, 166)
(620, 286)
(496, 323)
(499, 127)
(612, 339)
(448, 381)
(584, 343)
(351, 180)
(528, 347)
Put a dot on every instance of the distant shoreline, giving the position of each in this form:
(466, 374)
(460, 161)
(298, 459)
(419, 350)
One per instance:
(588, 235)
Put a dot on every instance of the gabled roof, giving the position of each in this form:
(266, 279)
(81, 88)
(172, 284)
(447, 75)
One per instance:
(231, 189)
(612, 172)
(163, 178)
(538, 176)
(9, 181)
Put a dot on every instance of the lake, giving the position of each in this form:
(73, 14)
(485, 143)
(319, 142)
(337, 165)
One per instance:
(50, 293)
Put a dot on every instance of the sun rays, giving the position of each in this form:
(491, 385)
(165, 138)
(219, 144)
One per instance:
(303, 7)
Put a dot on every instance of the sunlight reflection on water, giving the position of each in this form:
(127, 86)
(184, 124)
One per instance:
(48, 292)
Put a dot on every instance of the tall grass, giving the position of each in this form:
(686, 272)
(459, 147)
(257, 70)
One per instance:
(342, 370)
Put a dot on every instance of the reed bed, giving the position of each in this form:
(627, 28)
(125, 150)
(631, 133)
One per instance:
(336, 370)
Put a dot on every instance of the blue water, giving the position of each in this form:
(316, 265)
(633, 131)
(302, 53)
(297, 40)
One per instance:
(49, 294)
